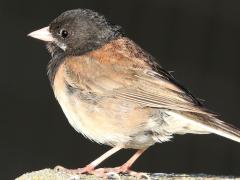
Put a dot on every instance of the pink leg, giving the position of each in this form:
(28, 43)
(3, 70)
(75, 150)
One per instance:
(104, 157)
(122, 169)
(90, 167)
(125, 167)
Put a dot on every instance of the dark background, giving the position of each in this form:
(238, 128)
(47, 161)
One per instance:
(198, 39)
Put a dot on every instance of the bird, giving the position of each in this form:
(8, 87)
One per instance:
(115, 93)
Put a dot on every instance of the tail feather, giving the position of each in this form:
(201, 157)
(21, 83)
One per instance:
(216, 126)
(212, 124)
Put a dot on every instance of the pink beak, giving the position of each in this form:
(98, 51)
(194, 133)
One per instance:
(42, 34)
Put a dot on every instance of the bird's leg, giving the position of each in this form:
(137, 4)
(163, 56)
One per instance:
(125, 168)
(90, 167)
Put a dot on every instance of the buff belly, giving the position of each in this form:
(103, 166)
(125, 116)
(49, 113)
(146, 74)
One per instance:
(106, 122)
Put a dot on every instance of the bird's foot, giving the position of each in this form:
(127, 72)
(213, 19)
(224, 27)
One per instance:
(86, 170)
(104, 172)
(114, 172)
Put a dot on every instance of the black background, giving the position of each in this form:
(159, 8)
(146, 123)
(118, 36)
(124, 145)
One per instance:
(198, 39)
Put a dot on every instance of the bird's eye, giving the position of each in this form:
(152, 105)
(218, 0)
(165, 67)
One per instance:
(63, 33)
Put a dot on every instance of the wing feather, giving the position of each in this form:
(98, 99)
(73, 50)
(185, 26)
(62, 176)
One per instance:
(157, 92)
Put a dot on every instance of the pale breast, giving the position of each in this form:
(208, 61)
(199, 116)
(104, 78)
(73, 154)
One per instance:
(102, 119)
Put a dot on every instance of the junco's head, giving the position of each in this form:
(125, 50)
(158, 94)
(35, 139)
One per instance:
(78, 31)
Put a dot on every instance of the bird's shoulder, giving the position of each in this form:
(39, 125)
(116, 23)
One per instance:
(113, 65)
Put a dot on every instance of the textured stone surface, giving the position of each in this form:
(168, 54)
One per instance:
(50, 174)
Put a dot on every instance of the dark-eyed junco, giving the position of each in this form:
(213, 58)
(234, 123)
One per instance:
(115, 93)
